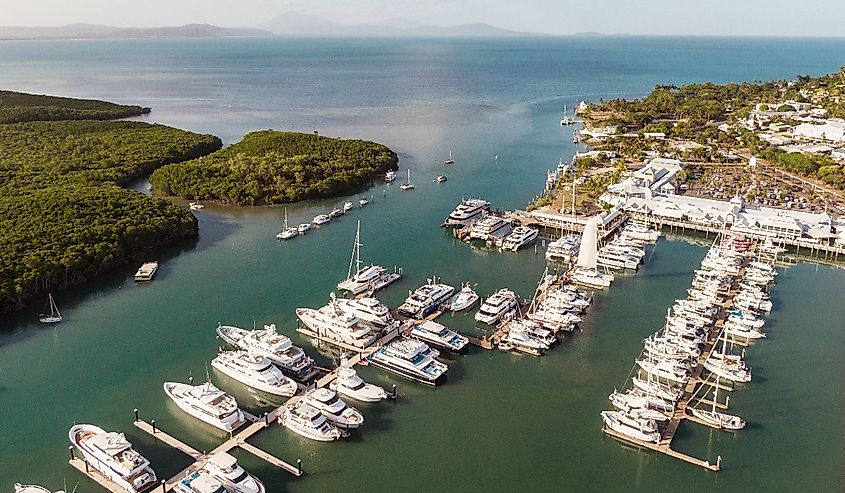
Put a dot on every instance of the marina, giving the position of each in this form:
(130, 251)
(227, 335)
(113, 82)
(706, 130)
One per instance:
(238, 273)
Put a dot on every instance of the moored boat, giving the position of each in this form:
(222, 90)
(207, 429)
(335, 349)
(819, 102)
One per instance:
(112, 455)
(206, 403)
(351, 385)
(224, 468)
(411, 359)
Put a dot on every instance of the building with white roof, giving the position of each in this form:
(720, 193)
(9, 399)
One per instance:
(829, 131)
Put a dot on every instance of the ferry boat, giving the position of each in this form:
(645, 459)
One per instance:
(564, 248)
(146, 272)
(207, 403)
(351, 385)
(321, 219)
(411, 359)
(616, 259)
(520, 237)
(224, 468)
(307, 421)
(624, 423)
(439, 336)
(426, 299)
(465, 299)
(390, 176)
(254, 370)
(278, 348)
(499, 306)
(367, 309)
(332, 323)
(201, 482)
(467, 212)
(113, 456)
(333, 408)
(489, 228)
(368, 278)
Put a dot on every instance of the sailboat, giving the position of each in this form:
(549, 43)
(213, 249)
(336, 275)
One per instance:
(450, 160)
(54, 317)
(370, 277)
(717, 419)
(586, 272)
(287, 232)
(566, 120)
(408, 185)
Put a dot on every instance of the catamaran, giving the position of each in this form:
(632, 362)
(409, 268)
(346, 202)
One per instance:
(146, 272)
(408, 185)
(55, 316)
(287, 232)
(113, 456)
(367, 278)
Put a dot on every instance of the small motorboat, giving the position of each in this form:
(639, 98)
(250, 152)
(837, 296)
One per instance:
(440, 178)
(466, 298)
(195, 206)
(321, 219)
(336, 212)
(303, 227)
(347, 206)
(364, 201)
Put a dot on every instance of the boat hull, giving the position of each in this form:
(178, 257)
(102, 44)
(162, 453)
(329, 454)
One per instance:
(405, 373)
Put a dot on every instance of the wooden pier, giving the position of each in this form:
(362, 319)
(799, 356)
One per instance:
(82, 466)
(666, 449)
(168, 439)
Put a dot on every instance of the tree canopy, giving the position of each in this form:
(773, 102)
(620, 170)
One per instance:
(271, 167)
(18, 107)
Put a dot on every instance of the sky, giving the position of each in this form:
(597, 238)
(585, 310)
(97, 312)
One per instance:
(664, 17)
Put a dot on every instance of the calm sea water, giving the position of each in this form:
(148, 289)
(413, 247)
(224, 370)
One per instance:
(502, 422)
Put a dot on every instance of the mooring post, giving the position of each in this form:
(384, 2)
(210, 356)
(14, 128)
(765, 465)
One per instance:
(153, 424)
(135, 411)
(86, 465)
(163, 485)
(70, 449)
(266, 419)
(718, 462)
(299, 466)
(394, 392)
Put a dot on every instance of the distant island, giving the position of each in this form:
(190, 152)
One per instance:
(271, 167)
(64, 216)
(97, 31)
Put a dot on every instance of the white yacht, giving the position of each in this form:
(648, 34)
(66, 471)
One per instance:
(146, 272)
(333, 408)
(390, 176)
(663, 391)
(624, 423)
(31, 488)
(520, 237)
(351, 385)
(321, 219)
(330, 322)
(367, 309)
(563, 248)
(347, 206)
(207, 403)
(112, 455)
(519, 337)
(254, 370)
(276, 347)
(720, 420)
(643, 233)
(439, 336)
(224, 468)
(490, 227)
(408, 185)
(363, 201)
(499, 306)
(465, 299)
(201, 482)
(55, 316)
(367, 278)
(336, 212)
(195, 206)
(302, 228)
(467, 212)
(616, 259)
(426, 299)
(411, 359)
(307, 421)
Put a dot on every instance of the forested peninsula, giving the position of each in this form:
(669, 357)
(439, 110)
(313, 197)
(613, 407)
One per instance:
(64, 218)
(272, 167)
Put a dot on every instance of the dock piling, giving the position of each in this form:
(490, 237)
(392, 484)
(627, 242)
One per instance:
(266, 419)
(135, 412)
(299, 466)
(153, 424)
(394, 392)
(163, 485)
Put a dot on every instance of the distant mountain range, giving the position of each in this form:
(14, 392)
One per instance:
(303, 24)
(97, 31)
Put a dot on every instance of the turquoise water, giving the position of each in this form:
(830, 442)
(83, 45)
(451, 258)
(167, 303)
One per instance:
(502, 422)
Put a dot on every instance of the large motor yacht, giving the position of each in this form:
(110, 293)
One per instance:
(332, 323)
(367, 309)
(439, 336)
(334, 408)
(467, 212)
(307, 421)
(351, 385)
(411, 359)
(499, 306)
(112, 455)
(520, 237)
(254, 370)
(276, 347)
(563, 248)
(489, 228)
(625, 423)
(426, 299)
(207, 403)
(616, 259)
(224, 468)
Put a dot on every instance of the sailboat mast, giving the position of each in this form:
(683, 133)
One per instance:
(355, 260)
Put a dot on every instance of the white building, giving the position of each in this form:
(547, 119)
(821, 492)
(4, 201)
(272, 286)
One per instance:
(830, 131)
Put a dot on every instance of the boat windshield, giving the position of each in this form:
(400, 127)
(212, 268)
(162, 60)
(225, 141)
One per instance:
(242, 476)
